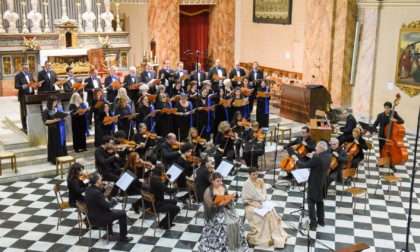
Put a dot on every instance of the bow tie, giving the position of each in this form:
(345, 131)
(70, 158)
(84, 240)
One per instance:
(255, 71)
(218, 68)
(132, 77)
(167, 69)
(26, 74)
(48, 71)
(71, 78)
(237, 69)
(148, 71)
(113, 77)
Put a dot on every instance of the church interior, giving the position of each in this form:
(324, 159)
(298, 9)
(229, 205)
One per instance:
(361, 53)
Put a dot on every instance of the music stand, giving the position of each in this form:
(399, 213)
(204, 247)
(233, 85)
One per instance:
(224, 169)
(301, 176)
(125, 181)
(253, 147)
(368, 127)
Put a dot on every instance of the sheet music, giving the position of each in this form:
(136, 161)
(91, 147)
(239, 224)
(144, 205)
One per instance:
(224, 168)
(301, 175)
(125, 180)
(174, 172)
(267, 206)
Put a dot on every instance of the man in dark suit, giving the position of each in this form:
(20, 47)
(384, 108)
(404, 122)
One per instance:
(169, 155)
(99, 210)
(166, 75)
(198, 76)
(147, 76)
(48, 76)
(217, 70)
(92, 82)
(255, 78)
(22, 81)
(347, 130)
(317, 184)
(70, 80)
(111, 91)
(129, 80)
(341, 158)
(179, 73)
(237, 71)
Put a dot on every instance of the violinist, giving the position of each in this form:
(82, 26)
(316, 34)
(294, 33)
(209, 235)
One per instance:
(184, 116)
(256, 139)
(202, 176)
(124, 109)
(169, 154)
(186, 151)
(145, 140)
(225, 139)
(76, 185)
(121, 148)
(204, 118)
(383, 120)
(361, 145)
(263, 106)
(200, 144)
(339, 157)
(347, 129)
(106, 161)
(241, 127)
(138, 184)
(164, 121)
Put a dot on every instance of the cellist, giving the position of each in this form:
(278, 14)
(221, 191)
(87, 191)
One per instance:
(303, 142)
(356, 147)
(339, 157)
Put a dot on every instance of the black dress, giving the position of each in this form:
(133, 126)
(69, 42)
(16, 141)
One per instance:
(78, 127)
(188, 171)
(263, 108)
(56, 146)
(124, 123)
(142, 116)
(102, 129)
(164, 122)
(76, 188)
(183, 123)
(205, 119)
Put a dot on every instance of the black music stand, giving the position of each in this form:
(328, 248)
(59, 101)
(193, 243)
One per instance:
(368, 127)
(301, 176)
(253, 147)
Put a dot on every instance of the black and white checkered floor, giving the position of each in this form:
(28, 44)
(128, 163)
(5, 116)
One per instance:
(28, 217)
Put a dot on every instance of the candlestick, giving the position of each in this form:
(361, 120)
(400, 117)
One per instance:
(47, 28)
(2, 31)
(64, 9)
(118, 18)
(24, 28)
(79, 16)
(98, 4)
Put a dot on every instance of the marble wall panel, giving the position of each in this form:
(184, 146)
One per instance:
(7, 88)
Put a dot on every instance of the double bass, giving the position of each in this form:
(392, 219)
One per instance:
(394, 143)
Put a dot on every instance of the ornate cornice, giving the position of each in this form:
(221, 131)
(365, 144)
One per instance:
(412, 25)
(130, 1)
(195, 2)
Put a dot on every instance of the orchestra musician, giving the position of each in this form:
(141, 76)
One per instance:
(145, 142)
(93, 82)
(166, 74)
(242, 127)
(138, 184)
(79, 122)
(237, 71)
(106, 161)
(263, 106)
(111, 91)
(204, 118)
(70, 80)
(198, 76)
(164, 121)
(22, 81)
(255, 78)
(183, 117)
(317, 184)
(200, 143)
(100, 212)
(186, 151)
(48, 76)
(257, 139)
(76, 185)
(147, 76)
(361, 145)
(217, 70)
(339, 156)
(158, 188)
(124, 109)
(180, 72)
(347, 129)
(129, 80)
(121, 148)
(169, 153)
(225, 139)
(202, 176)
(103, 128)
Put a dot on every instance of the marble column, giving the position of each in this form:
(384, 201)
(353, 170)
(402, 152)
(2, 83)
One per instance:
(163, 17)
(222, 32)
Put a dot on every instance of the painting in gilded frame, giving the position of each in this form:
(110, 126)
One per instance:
(273, 11)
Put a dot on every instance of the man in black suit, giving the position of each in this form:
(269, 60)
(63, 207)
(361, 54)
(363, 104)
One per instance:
(169, 155)
(99, 210)
(166, 75)
(70, 80)
(129, 80)
(347, 130)
(147, 76)
(317, 183)
(22, 81)
(198, 76)
(217, 70)
(383, 120)
(48, 76)
(255, 78)
(111, 91)
(237, 71)
(92, 82)
(179, 73)
(341, 158)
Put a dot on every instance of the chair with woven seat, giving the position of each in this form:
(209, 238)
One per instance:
(150, 198)
(82, 210)
(354, 191)
(389, 178)
(192, 197)
(61, 204)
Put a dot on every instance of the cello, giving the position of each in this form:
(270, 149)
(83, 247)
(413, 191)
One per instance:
(394, 144)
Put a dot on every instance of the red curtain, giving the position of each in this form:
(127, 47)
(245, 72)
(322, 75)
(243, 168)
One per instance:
(194, 34)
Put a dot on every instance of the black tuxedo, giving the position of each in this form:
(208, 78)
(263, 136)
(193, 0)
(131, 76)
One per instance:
(347, 130)
(164, 80)
(178, 75)
(133, 94)
(100, 213)
(169, 155)
(90, 87)
(194, 77)
(234, 73)
(48, 84)
(68, 85)
(213, 71)
(144, 76)
(21, 80)
(111, 93)
(255, 82)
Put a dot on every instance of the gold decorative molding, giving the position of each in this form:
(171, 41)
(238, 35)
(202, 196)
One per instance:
(412, 25)
(130, 1)
(195, 2)
(410, 91)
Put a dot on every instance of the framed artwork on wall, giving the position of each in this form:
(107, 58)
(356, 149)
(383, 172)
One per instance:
(273, 11)
(407, 74)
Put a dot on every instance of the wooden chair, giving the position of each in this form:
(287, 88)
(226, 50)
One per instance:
(149, 197)
(354, 191)
(61, 204)
(82, 210)
(389, 178)
(7, 155)
(283, 130)
(192, 197)
(370, 147)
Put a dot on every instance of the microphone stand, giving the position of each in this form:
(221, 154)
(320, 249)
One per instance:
(273, 183)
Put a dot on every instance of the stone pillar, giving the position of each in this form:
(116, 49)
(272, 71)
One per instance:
(163, 17)
(328, 50)
(222, 32)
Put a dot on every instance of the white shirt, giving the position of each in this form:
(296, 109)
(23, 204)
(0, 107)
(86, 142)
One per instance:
(95, 82)
(27, 79)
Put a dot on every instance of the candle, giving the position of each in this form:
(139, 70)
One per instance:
(151, 54)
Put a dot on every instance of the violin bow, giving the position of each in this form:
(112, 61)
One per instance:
(145, 142)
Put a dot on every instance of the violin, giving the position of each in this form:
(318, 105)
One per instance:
(165, 177)
(259, 135)
(85, 175)
(144, 164)
(176, 145)
(229, 134)
(110, 150)
(130, 144)
(147, 134)
(244, 123)
(193, 159)
(199, 140)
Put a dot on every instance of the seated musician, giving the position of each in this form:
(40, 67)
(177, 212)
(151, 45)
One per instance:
(186, 150)
(202, 177)
(158, 188)
(76, 185)
(347, 130)
(100, 213)
(200, 144)
(169, 154)
(240, 126)
(145, 141)
(254, 146)
(225, 139)
(106, 161)
(361, 145)
(120, 147)
(340, 158)
(303, 140)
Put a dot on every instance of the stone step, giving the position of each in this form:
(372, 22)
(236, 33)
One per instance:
(17, 139)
